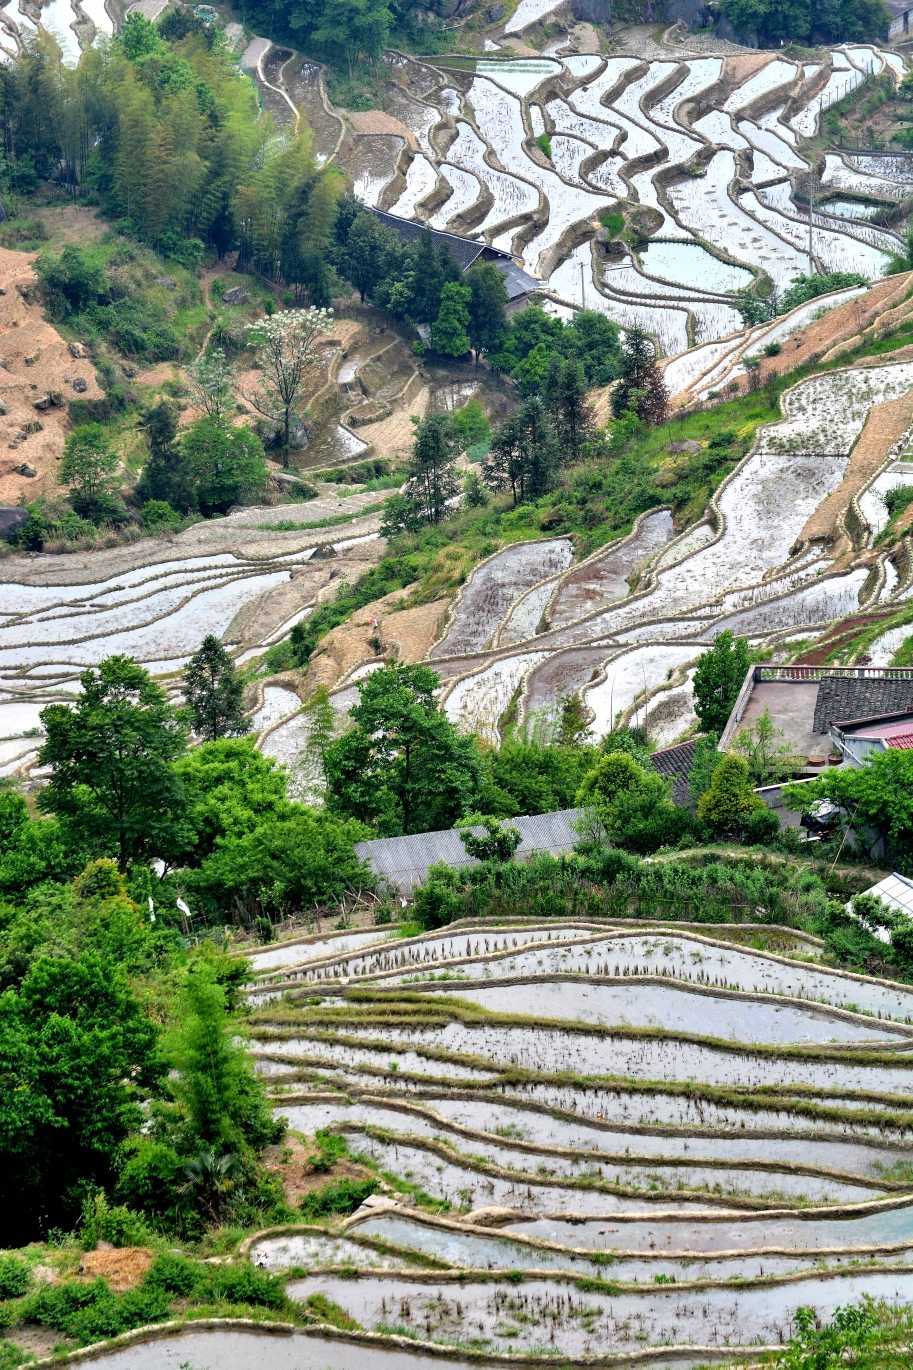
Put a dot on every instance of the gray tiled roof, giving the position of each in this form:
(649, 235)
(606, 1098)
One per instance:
(842, 698)
(466, 250)
(404, 861)
(675, 764)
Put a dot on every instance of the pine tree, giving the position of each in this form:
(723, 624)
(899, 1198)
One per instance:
(214, 692)
(432, 474)
(449, 334)
(524, 454)
(640, 387)
(487, 319)
(431, 269)
(165, 476)
(564, 394)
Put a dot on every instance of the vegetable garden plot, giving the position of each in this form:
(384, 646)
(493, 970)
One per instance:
(512, 197)
(604, 578)
(672, 1009)
(466, 190)
(492, 588)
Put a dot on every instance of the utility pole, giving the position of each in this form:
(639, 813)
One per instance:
(811, 217)
(582, 289)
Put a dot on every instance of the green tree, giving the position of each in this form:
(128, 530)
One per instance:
(75, 1049)
(225, 464)
(718, 679)
(111, 754)
(88, 466)
(730, 799)
(565, 398)
(403, 768)
(640, 389)
(166, 475)
(214, 692)
(498, 843)
(487, 301)
(282, 866)
(222, 1101)
(471, 426)
(707, 756)
(524, 454)
(432, 473)
(768, 759)
(877, 797)
(633, 804)
(230, 788)
(449, 332)
(372, 253)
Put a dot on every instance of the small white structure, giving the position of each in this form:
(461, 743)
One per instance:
(897, 892)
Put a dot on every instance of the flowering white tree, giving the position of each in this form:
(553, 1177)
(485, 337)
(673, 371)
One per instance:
(287, 350)
(210, 379)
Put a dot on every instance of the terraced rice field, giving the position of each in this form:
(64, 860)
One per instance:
(676, 1142)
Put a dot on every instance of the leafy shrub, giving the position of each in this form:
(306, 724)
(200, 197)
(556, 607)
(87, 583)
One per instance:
(330, 1149)
(896, 500)
(118, 1225)
(91, 1312)
(340, 1197)
(173, 1274)
(243, 1284)
(15, 1277)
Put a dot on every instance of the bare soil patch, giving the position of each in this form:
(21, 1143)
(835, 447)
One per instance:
(404, 634)
(289, 1161)
(124, 1268)
(34, 362)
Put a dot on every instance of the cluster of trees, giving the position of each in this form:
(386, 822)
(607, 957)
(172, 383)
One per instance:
(158, 1111)
(163, 128)
(798, 21)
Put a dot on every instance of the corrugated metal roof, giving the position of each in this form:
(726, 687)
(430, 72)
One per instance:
(404, 861)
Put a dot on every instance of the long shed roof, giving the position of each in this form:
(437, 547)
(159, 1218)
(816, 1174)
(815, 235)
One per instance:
(404, 861)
